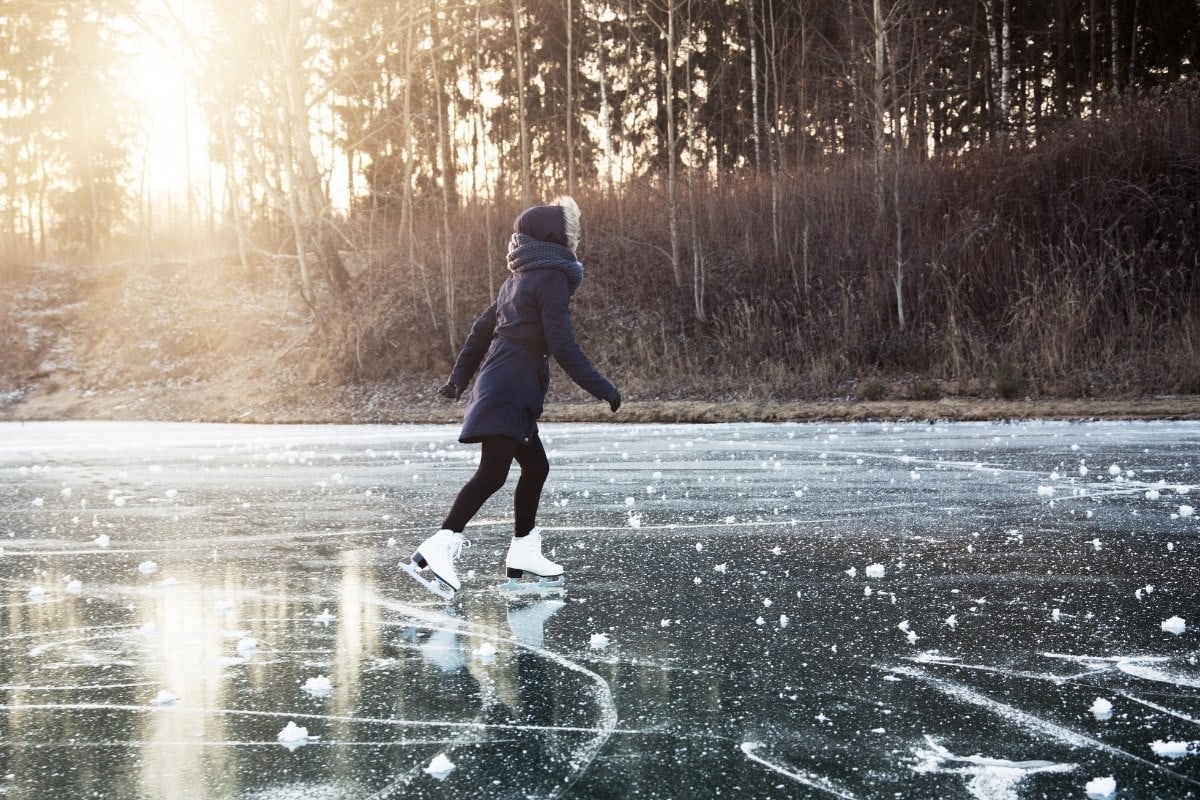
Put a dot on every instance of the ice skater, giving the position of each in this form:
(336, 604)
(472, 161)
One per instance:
(510, 345)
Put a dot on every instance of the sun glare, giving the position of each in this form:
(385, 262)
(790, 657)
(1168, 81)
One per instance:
(171, 128)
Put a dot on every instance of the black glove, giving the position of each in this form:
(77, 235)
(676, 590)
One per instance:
(614, 400)
(450, 391)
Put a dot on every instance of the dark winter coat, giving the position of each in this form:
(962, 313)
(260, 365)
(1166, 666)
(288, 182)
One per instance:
(510, 345)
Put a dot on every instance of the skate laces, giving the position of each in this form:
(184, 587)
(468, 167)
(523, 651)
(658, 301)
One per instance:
(456, 546)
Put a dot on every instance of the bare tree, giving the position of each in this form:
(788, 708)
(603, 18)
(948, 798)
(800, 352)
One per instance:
(267, 114)
(522, 113)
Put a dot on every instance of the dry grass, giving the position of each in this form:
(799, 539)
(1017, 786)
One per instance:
(1068, 271)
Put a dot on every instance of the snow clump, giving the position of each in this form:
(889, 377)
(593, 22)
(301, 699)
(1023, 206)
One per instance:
(876, 571)
(599, 641)
(1175, 625)
(318, 686)
(164, 698)
(294, 736)
(1101, 788)
(440, 767)
(1101, 709)
(1170, 749)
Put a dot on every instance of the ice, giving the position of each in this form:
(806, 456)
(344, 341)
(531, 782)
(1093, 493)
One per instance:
(1101, 788)
(1174, 625)
(702, 662)
(440, 767)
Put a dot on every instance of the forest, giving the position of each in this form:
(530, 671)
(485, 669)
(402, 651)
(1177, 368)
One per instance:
(781, 198)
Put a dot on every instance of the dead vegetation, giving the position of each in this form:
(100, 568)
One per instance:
(1062, 280)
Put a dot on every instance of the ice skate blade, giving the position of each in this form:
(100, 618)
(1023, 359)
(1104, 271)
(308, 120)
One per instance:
(513, 587)
(432, 584)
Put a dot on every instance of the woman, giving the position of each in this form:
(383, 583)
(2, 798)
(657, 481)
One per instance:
(510, 345)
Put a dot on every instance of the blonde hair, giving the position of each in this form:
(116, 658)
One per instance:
(571, 216)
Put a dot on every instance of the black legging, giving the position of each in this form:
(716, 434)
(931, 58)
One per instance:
(498, 454)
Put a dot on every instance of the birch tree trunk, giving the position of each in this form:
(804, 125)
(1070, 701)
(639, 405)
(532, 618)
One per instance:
(757, 130)
(522, 119)
(570, 99)
(672, 142)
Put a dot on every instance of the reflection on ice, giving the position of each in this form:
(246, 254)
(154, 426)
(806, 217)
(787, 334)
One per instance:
(769, 611)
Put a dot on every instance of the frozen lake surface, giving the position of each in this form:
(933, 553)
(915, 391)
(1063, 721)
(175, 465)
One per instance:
(769, 611)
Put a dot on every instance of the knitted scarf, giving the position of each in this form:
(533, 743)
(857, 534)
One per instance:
(526, 253)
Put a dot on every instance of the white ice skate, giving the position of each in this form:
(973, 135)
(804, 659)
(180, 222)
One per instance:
(437, 554)
(525, 555)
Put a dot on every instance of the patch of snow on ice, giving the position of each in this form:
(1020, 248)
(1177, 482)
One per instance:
(990, 778)
(440, 767)
(293, 736)
(599, 641)
(164, 698)
(1175, 625)
(1101, 709)
(318, 686)
(1101, 788)
(875, 571)
(1173, 749)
